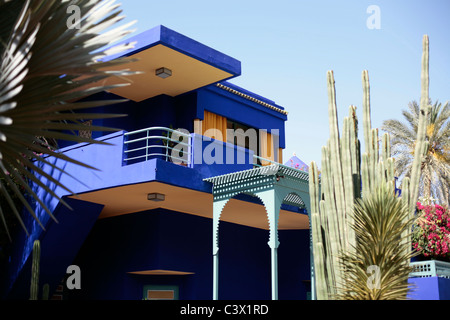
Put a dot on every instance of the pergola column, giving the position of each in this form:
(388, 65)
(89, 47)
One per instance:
(217, 211)
(272, 203)
(272, 184)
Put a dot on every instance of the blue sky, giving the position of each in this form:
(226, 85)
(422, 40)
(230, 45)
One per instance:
(286, 48)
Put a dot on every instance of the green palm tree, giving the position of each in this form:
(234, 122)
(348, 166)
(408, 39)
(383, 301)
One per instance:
(435, 169)
(49, 60)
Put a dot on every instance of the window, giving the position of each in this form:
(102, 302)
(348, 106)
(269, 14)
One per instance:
(241, 137)
(260, 141)
(214, 126)
(159, 292)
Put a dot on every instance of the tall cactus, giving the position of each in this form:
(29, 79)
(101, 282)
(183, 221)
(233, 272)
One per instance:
(34, 288)
(347, 175)
(410, 185)
(340, 185)
(421, 144)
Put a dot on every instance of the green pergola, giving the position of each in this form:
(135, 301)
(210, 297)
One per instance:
(273, 185)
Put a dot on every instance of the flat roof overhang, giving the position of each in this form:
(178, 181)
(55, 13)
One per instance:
(193, 65)
(133, 198)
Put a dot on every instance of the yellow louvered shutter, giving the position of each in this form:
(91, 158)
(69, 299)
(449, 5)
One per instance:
(267, 149)
(214, 126)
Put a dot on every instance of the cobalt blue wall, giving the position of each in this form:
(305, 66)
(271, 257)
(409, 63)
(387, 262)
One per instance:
(180, 112)
(430, 288)
(158, 111)
(163, 35)
(59, 245)
(109, 160)
(162, 239)
(239, 109)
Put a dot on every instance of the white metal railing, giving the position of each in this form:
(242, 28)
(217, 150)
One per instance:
(260, 160)
(156, 142)
(305, 174)
(430, 268)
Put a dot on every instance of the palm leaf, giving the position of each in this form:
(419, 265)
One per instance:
(379, 220)
(435, 170)
(45, 69)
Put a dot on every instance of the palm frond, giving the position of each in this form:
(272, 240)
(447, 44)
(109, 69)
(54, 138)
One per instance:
(436, 163)
(45, 69)
(412, 116)
(378, 268)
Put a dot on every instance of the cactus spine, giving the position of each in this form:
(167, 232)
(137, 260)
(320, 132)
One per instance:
(34, 289)
(344, 170)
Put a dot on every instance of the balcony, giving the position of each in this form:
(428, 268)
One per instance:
(186, 149)
(158, 143)
(195, 151)
(131, 163)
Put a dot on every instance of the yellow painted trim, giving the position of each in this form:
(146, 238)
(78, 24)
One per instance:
(214, 126)
(130, 199)
(198, 126)
(246, 96)
(161, 273)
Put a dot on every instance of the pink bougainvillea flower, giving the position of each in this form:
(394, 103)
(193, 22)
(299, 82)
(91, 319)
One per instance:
(431, 235)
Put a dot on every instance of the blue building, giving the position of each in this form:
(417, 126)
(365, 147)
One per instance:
(146, 224)
(196, 171)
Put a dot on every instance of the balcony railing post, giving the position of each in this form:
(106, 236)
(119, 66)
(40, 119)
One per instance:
(165, 136)
(169, 136)
(146, 145)
(190, 154)
(124, 150)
